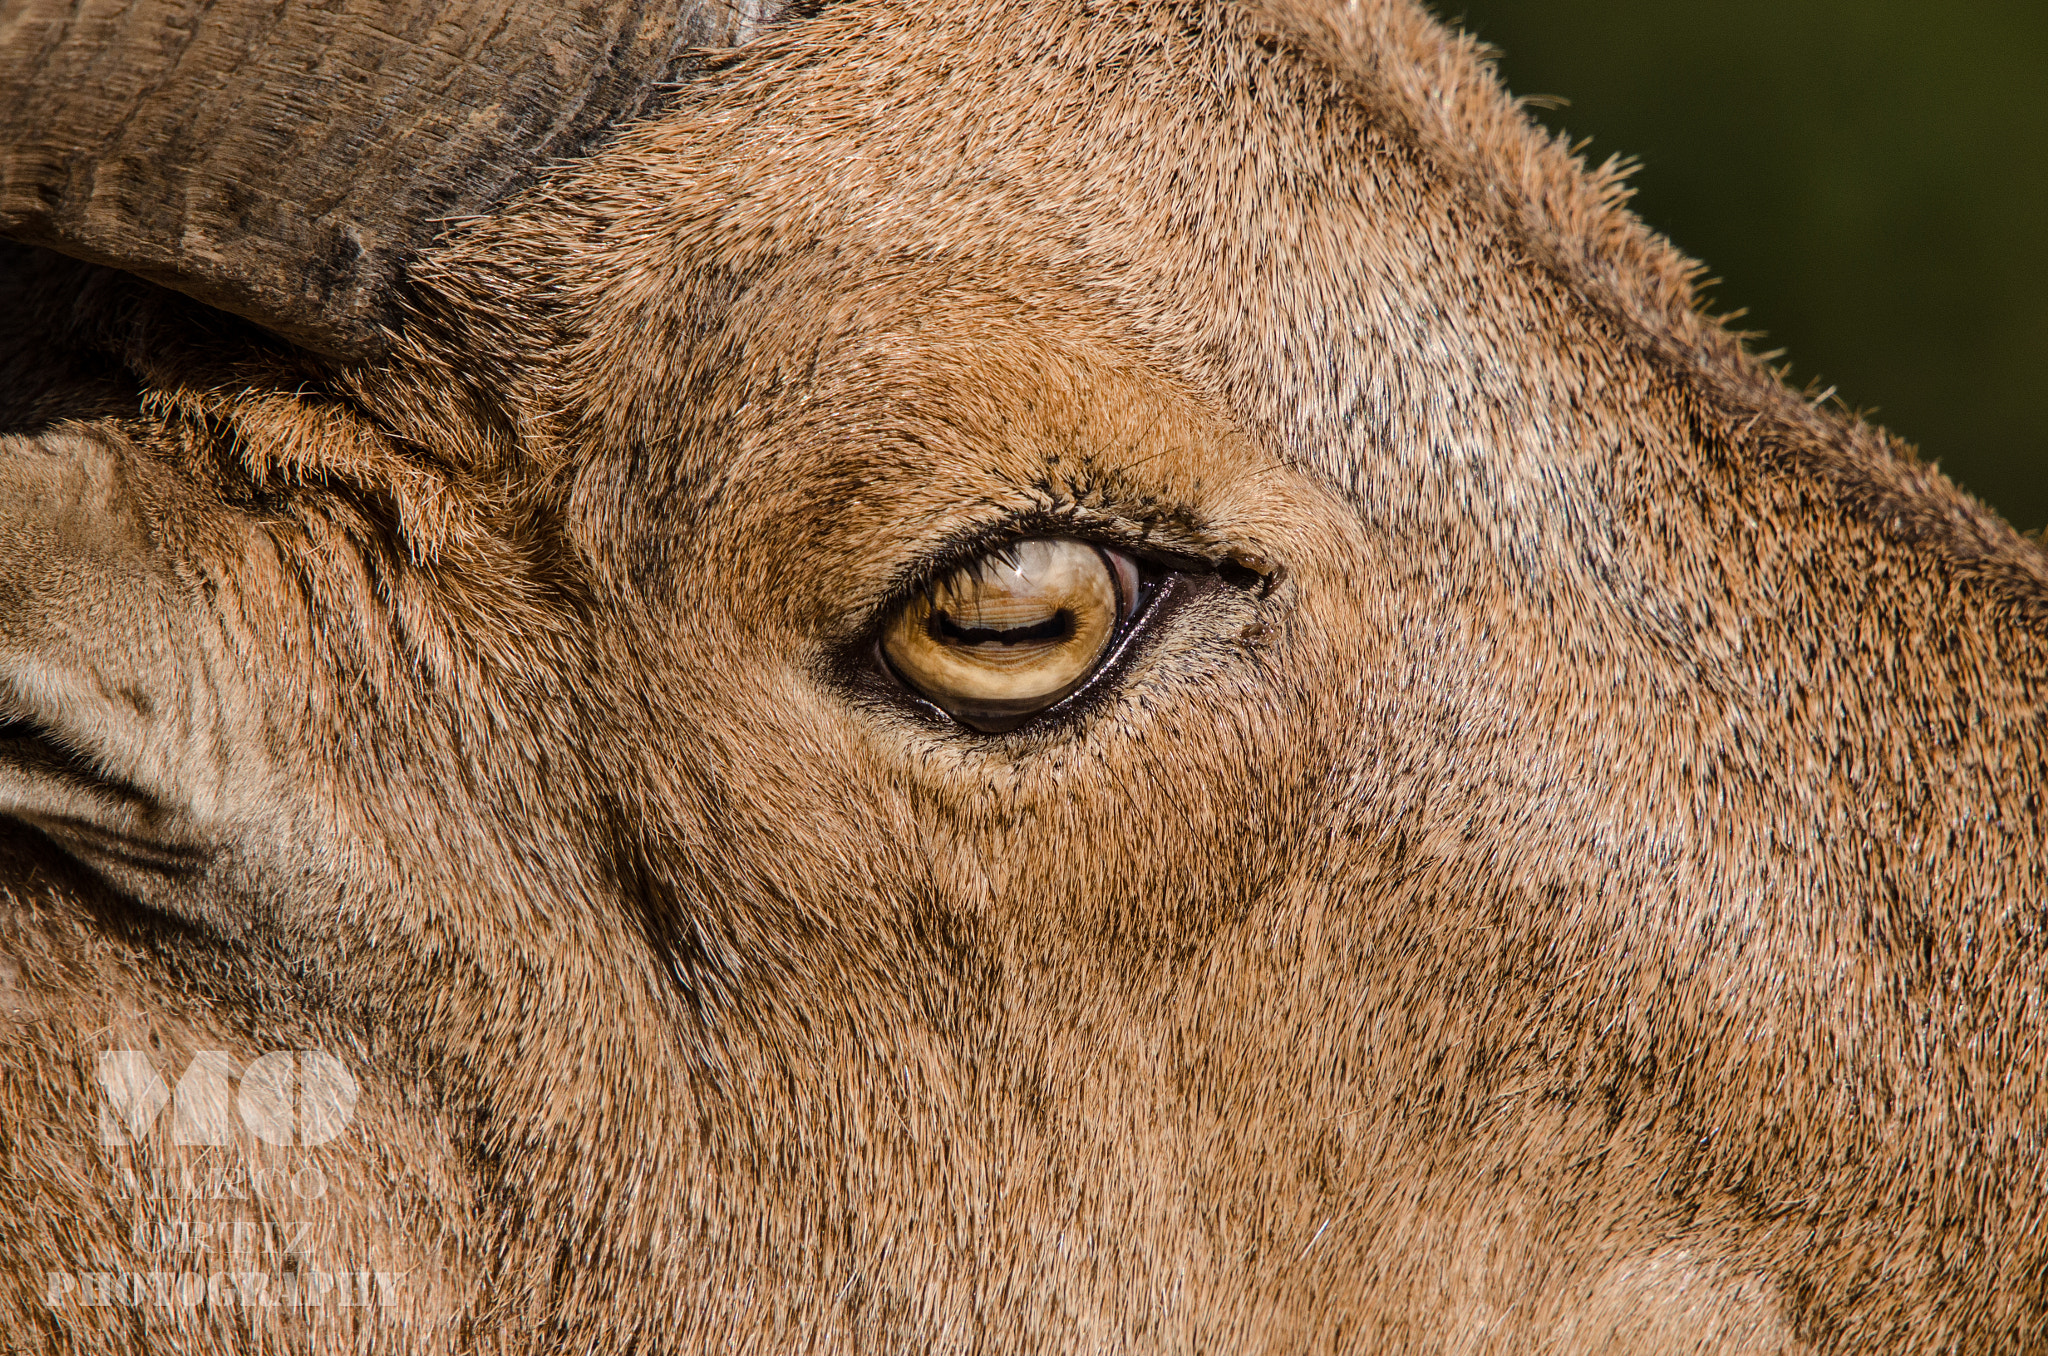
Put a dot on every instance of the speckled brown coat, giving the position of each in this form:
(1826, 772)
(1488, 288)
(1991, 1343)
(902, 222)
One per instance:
(1573, 880)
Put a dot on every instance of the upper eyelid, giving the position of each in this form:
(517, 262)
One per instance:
(1138, 538)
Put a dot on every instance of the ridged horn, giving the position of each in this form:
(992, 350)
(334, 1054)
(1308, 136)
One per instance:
(283, 159)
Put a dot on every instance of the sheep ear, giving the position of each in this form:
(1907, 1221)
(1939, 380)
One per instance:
(284, 159)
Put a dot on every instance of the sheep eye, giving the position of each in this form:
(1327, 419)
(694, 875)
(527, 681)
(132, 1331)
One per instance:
(1013, 632)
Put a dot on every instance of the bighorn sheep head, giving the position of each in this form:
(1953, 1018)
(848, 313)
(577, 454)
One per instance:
(1025, 678)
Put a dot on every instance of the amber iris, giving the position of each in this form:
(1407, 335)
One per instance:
(1013, 632)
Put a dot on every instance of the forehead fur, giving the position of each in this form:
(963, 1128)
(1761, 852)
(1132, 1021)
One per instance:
(1330, 221)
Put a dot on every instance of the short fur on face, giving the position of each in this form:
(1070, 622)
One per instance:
(1566, 873)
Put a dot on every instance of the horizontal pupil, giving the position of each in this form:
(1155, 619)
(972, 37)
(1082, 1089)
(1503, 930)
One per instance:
(1056, 627)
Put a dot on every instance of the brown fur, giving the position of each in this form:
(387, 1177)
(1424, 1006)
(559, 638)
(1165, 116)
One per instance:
(1589, 897)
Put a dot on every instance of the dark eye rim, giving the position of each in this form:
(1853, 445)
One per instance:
(1168, 582)
(1153, 584)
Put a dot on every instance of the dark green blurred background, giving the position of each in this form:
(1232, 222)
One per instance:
(1869, 178)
